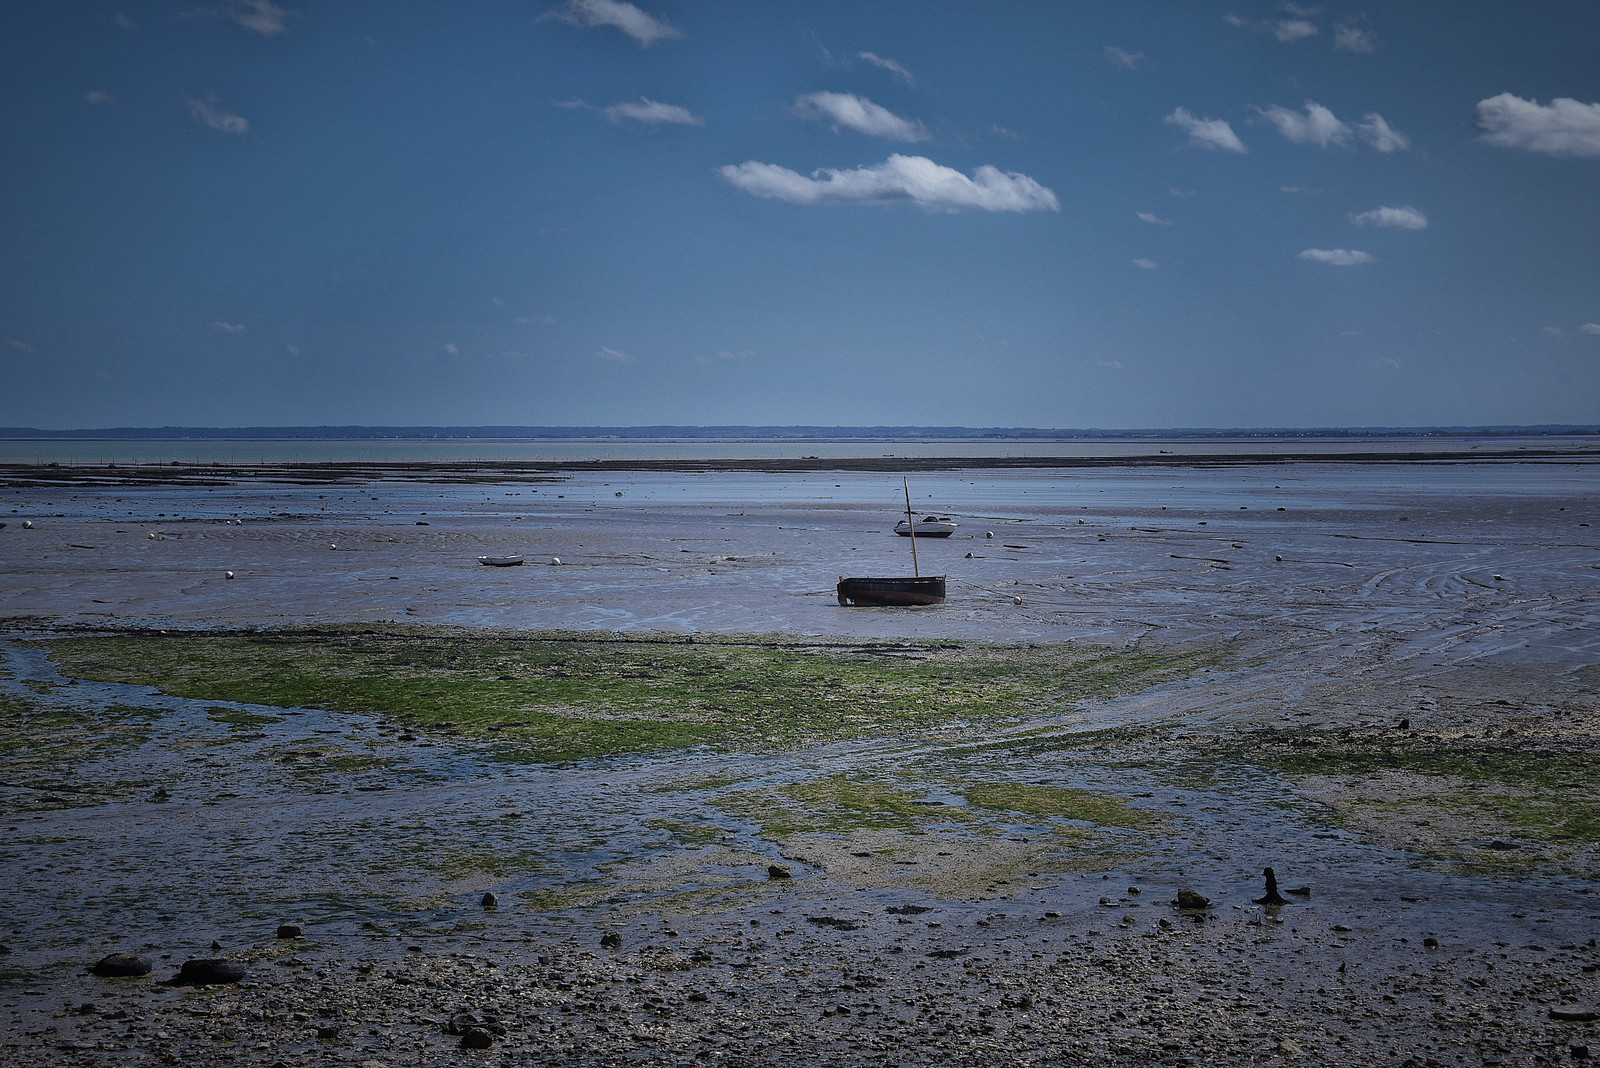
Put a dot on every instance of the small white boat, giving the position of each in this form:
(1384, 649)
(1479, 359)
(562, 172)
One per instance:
(931, 527)
(500, 561)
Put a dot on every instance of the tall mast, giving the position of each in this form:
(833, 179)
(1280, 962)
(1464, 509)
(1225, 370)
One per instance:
(912, 525)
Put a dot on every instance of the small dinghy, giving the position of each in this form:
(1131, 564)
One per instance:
(932, 526)
(897, 591)
(500, 561)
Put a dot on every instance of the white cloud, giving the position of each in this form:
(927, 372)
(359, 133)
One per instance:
(653, 112)
(1555, 331)
(1587, 328)
(889, 65)
(859, 114)
(914, 178)
(97, 97)
(1337, 257)
(258, 16)
(1318, 126)
(614, 355)
(1207, 133)
(1123, 58)
(740, 355)
(1148, 265)
(124, 21)
(1405, 218)
(205, 109)
(1299, 189)
(1354, 39)
(1380, 135)
(1285, 30)
(645, 29)
(27, 350)
(294, 350)
(228, 328)
(1563, 128)
(451, 350)
(1153, 219)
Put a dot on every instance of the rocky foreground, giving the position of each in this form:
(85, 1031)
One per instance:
(1153, 985)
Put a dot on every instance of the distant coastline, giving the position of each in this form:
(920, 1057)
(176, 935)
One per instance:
(773, 433)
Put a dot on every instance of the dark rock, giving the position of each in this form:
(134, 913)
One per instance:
(327, 1033)
(1579, 1051)
(202, 970)
(1191, 899)
(291, 930)
(611, 940)
(1271, 897)
(476, 1038)
(489, 901)
(778, 871)
(121, 966)
(1499, 845)
(906, 910)
(1298, 891)
(1575, 1015)
(836, 922)
(1430, 943)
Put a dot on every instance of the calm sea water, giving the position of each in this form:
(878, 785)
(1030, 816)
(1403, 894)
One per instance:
(489, 450)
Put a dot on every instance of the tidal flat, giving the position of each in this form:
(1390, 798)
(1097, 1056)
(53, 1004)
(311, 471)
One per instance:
(724, 820)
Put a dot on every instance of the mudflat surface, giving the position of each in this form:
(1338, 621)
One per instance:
(1398, 712)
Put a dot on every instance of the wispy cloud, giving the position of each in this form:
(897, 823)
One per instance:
(1353, 38)
(613, 355)
(1380, 135)
(646, 29)
(27, 350)
(258, 16)
(1123, 58)
(1284, 30)
(1406, 218)
(1564, 127)
(1299, 189)
(124, 21)
(1154, 219)
(228, 328)
(859, 114)
(450, 350)
(889, 65)
(1317, 125)
(205, 109)
(97, 97)
(653, 112)
(1587, 328)
(1555, 331)
(1148, 265)
(916, 179)
(1207, 133)
(1337, 257)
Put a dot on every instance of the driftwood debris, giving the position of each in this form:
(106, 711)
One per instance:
(1271, 897)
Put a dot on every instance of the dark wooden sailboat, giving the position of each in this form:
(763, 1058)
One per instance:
(899, 591)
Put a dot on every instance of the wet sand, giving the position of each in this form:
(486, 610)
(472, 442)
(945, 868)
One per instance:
(1459, 598)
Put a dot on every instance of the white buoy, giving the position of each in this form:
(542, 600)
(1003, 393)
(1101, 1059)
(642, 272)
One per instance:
(1016, 600)
(227, 574)
(333, 545)
(27, 524)
(989, 534)
(554, 560)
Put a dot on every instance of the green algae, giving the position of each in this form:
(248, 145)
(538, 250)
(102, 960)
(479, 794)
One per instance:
(560, 697)
(1059, 802)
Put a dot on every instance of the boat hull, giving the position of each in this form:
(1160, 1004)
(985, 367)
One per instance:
(938, 528)
(500, 561)
(891, 592)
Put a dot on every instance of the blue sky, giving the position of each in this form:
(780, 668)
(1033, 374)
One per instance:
(1114, 214)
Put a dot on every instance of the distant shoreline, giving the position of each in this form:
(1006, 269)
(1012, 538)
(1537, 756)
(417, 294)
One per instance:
(798, 432)
(331, 472)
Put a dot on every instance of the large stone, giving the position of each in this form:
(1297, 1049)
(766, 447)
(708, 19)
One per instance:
(204, 970)
(1191, 899)
(121, 966)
